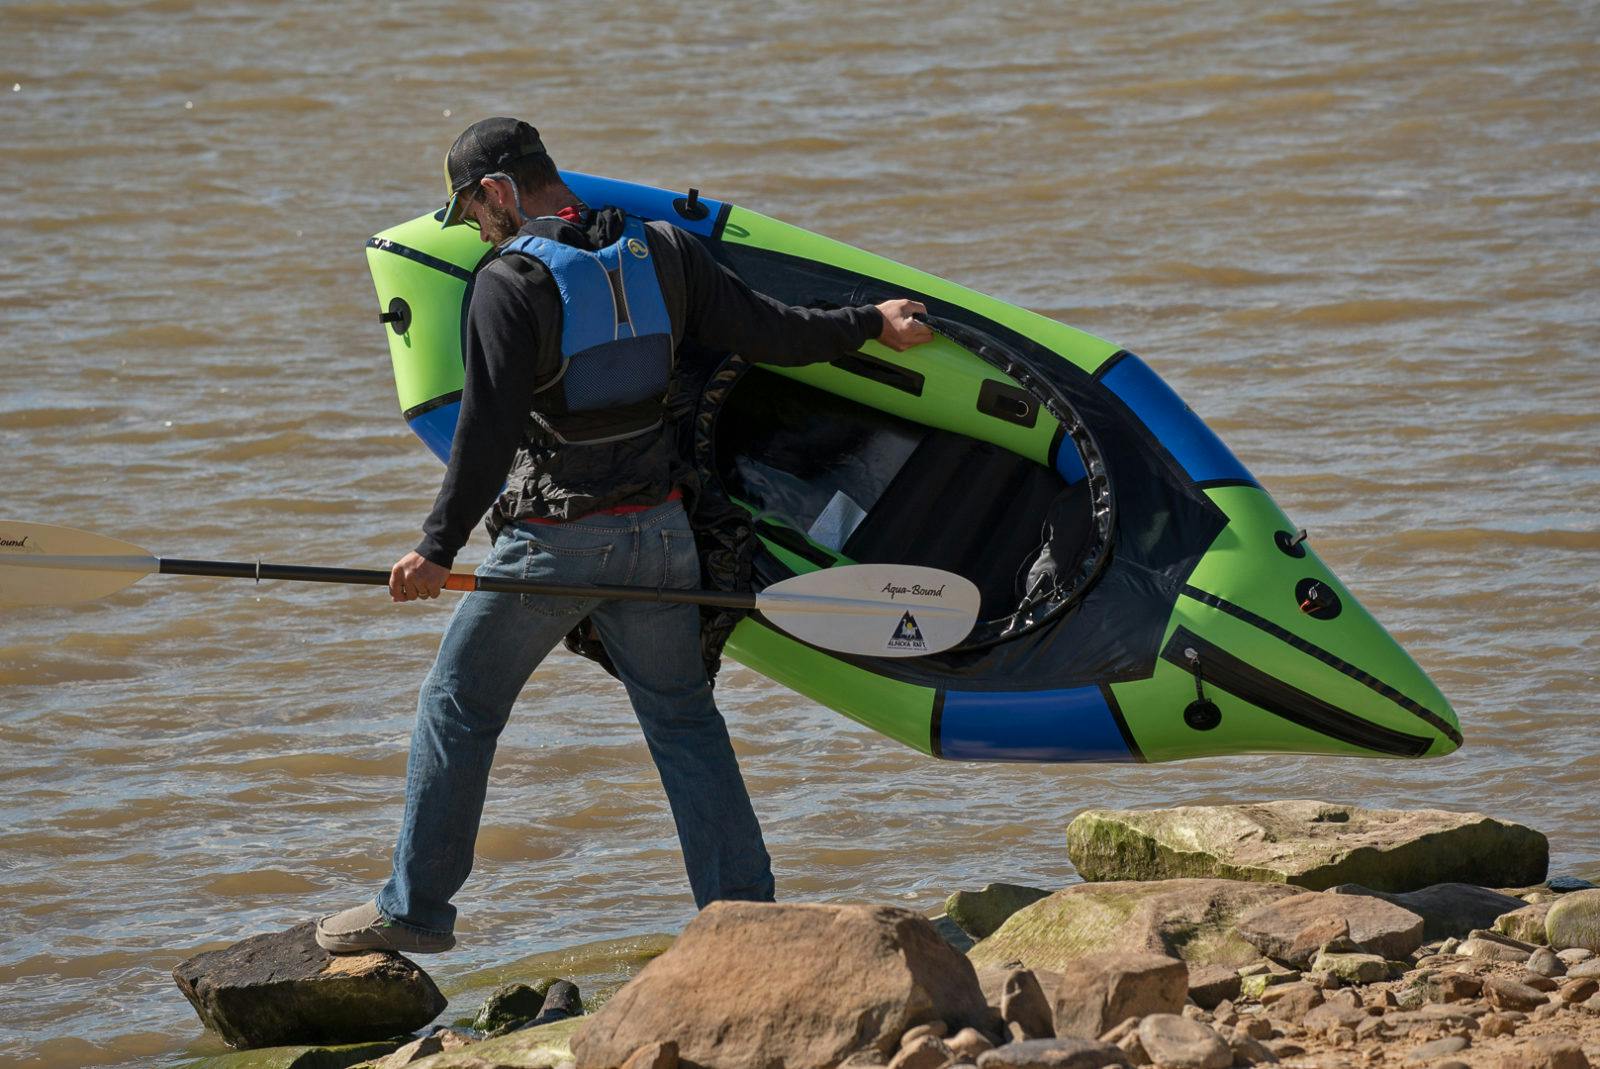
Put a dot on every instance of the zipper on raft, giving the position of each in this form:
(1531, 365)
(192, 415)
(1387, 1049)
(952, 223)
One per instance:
(1224, 671)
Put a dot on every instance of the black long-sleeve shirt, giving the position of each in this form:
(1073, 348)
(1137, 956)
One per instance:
(513, 345)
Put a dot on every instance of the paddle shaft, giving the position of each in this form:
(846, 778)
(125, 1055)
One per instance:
(224, 569)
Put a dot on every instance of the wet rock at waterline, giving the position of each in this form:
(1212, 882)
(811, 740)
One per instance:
(282, 988)
(527, 1048)
(981, 913)
(511, 1005)
(1307, 843)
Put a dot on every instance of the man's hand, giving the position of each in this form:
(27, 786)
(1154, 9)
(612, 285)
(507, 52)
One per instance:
(900, 332)
(415, 576)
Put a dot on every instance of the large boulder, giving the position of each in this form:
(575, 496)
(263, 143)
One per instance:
(1381, 927)
(1098, 992)
(1188, 919)
(1574, 921)
(981, 913)
(750, 985)
(1310, 844)
(1447, 909)
(281, 988)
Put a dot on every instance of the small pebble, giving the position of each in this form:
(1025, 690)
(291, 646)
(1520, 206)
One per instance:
(1248, 1051)
(1131, 1046)
(937, 1029)
(1573, 955)
(929, 1052)
(1564, 884)
(1439, 1048)
(1544, 962)
(969, 1043)
(1579, 988)
(1537, 981)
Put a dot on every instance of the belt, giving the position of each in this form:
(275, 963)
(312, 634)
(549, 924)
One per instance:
(615, 510)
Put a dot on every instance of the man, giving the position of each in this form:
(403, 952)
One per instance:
(571, 338)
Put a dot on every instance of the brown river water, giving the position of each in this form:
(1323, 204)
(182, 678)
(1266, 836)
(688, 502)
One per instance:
(1360, 238)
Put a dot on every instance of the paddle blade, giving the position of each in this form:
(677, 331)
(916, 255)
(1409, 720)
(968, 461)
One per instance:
(45, 565)
(874, 610)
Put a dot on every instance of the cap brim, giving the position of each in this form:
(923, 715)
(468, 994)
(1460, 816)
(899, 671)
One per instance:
(454, 211)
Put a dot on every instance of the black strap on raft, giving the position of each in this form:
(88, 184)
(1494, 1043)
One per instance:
(1201, 714)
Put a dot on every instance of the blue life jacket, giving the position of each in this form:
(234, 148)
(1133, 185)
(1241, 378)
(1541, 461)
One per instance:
(616, 339)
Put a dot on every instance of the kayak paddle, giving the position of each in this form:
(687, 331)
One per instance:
(873, 610)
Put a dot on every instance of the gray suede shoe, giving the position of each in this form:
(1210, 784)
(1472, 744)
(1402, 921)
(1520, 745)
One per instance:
(363, 928)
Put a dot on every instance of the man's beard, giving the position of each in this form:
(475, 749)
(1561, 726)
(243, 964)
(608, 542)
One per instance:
(497, 223)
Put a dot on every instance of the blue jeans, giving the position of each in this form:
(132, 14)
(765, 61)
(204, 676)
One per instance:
(493, 644)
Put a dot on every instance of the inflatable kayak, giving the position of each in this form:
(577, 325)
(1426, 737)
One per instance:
(1143, 598)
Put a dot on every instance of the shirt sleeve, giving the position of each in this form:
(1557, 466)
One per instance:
(722, 312)
(503, 361)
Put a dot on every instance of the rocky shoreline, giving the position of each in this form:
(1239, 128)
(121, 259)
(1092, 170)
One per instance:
(1301, 934)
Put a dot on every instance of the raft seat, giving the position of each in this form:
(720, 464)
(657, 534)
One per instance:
(829, 480)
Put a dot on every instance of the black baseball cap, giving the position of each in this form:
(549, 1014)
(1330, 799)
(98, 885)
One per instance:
(487, 146)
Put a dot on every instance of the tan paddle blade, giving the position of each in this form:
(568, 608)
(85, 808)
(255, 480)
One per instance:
(874, 610)
(45, 565)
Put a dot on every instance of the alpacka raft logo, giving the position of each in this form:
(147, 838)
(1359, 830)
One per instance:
(7, 542)
(907, 635)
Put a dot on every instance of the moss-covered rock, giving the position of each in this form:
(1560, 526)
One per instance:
(300, 1057)
(531, 1048)
(1526, 924)
(512, 1004)
(981, 913)
(1188, 919)
(1352, 968)
(599, 968)
(1574, 921)
(1307, 843)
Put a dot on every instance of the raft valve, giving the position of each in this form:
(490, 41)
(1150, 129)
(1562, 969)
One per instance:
(690, 207)
(1316, 599)
(1292, 544)
(398, 316)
